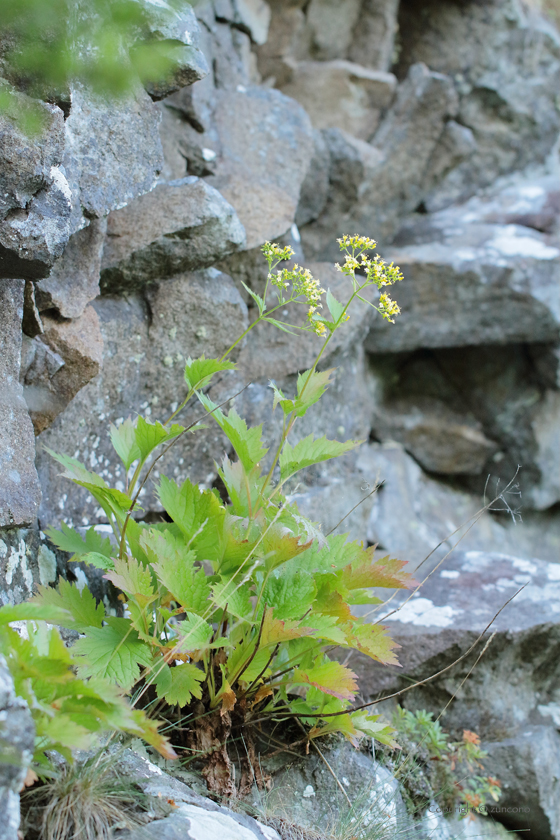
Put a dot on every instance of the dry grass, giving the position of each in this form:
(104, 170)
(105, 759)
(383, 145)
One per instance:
(84, 801)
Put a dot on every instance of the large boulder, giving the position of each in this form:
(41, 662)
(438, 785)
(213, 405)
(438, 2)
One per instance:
(112, 152)
(20, 492)
(266, 145)
(510, 696)
(504, 58)
(35, 198)
(174, 26)
(482, 272)
(393, 166)
(180, 226)
(341, 94)
(74, 278)
(57, 364)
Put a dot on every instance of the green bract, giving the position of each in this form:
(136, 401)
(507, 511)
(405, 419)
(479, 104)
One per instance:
(232, 605)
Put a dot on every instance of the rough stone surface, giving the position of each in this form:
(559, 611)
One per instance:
(112, 152)
(178, 26)
(489, 276)
(441, 440)
(179, 226)
(439, 623)
(341, 94)
(34, 202)
(193, 816)
(25, 561)
(74, 278)
(386, 180)
(505, 62)
(20, 493)
(56, 366)
(17, 736)
(267, 144)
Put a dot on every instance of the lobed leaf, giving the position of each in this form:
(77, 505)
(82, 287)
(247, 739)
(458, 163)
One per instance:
(175, 568)
(150, 435)
(123, 438)
(311, 451)
(199, 372)
(330, 678)
(113, 652)
(247, 442)
(68, 539)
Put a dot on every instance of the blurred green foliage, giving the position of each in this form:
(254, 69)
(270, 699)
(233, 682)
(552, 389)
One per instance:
(106, 44)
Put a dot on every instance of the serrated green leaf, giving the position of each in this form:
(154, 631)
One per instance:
(150, 435)
(311, 451)
(246, 442)
(335, 308)
(365, 571)
(199, 372)
(100, 561)
(374, 727)
(68, 539)
(123, 438)
(372, 639)
(185, 684)
(76, 471)
(113, 652)
(193, 633)
(279, 545)
(228, 593)
(289, 594)
(175, 568)
(285, 404)
(325, 627)
(311, 385)
(198, 513)
(81, 604)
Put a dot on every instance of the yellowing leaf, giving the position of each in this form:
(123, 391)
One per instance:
(372, 639)
(229, 698)
(330, 678)
(275, 630)
(133, 578)
(366, 572)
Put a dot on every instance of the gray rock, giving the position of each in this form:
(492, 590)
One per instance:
(527, 766)
(112, 154)
(330, 27)
(315, 187)
(74, 278)
(20, 493)
(193, 816)
(441, 621)
(440, 439)
(25, 561)
(253, 16)
(386, 180)
(180, 226)
(373, 41)
(414, 517)
(341, 94)
(504, 58)
(470, 280)
(176, 25)
(267, 145)
(59, 363)
(142, 372)
(305, 792)
(17, 737)
(34, 204)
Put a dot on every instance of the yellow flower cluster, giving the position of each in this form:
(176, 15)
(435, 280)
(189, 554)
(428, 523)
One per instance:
(388, 308)
(272, 251)
(361, 243)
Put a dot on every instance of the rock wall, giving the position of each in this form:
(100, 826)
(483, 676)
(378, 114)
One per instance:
(126, 227)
